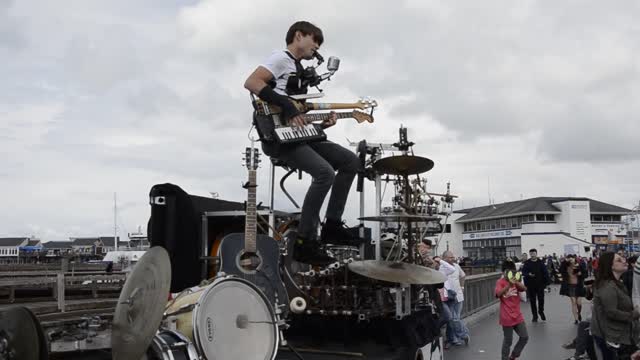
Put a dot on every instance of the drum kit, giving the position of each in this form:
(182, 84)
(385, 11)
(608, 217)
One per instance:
(229, 317)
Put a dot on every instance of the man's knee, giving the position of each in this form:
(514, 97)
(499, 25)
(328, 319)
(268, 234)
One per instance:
(351, 164)
(325, 176)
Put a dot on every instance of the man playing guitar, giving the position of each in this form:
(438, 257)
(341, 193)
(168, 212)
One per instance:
(276, 78)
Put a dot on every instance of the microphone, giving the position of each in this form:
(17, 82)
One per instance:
(319, 57)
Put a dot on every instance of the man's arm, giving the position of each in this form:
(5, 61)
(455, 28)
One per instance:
(258, 79)
(446, 268)
(462, 276)
(257, 83)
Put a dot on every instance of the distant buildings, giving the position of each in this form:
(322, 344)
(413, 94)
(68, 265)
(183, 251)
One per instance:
(561, 225)
(13, 250)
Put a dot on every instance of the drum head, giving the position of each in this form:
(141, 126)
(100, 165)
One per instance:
(234, 320)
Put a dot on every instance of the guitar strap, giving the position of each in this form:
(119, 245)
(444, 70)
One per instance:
(294, 83)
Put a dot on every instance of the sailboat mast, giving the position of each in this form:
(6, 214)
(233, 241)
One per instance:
(115, 222)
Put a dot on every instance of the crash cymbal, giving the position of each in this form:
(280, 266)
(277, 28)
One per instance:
(400, 218)
(397, 272)
(42, 340)
(141, 305)
(20, 335)
(403, 165)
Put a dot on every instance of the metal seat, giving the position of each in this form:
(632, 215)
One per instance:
(290, 170)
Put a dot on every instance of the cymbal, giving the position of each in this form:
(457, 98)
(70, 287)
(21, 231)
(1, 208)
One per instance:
(397, 272)
(403, 165)
(21, 335)
(400, 218)
(141, 305)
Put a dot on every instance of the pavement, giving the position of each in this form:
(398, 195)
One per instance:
(545, 338)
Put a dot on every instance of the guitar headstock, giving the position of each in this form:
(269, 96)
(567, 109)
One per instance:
(367, 103)
(251, 158)
(361, 117)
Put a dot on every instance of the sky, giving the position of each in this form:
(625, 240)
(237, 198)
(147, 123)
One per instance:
(510, 100)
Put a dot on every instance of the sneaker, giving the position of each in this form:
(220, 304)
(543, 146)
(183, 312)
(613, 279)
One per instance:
(336, 233)
(467, 339)
(542, 317)
(310, 252)
(535, 319)
(569, 345)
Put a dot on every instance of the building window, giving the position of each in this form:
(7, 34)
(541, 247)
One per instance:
(503, 223)
(447, 228)
(550, 217)
(539, 217)
(596, 218)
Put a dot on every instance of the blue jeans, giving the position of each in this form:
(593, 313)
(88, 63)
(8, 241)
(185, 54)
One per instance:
(456, 329)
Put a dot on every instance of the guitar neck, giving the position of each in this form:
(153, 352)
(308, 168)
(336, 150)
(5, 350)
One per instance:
(332, 106)
(251, 217)
(308, 118)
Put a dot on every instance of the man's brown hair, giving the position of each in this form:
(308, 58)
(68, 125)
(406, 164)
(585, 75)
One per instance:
(305, 28)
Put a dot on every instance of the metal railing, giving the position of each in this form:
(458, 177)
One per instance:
(479, 292)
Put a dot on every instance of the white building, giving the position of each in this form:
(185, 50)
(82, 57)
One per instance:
(560, 225)
(10, 248)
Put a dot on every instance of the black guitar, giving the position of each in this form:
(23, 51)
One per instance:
(251, 256)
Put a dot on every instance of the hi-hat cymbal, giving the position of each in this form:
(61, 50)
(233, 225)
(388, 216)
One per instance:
(400, 218)
(21, 335)
(141, 305)
(397, 272)
(403, 165)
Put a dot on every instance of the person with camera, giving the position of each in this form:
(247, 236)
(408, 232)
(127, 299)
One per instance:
(583, 342)
(280, 76)
(573, 274)
(613, 317)
(511, 318)
(536, 279)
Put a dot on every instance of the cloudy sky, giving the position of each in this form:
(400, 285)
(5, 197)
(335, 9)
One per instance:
(534, 98)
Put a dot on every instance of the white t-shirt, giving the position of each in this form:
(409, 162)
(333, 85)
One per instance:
(453, 272)
(282, 66)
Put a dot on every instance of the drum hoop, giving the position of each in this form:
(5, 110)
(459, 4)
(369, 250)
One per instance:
(163, 344)
(196, 309)
(191, 350)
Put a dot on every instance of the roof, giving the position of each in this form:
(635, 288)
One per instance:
(84, 241)
(108, 241)
(12, 241)
(64, 244)
(34, 243)
(534, 205)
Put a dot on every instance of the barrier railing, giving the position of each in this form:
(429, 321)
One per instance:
(479, 292)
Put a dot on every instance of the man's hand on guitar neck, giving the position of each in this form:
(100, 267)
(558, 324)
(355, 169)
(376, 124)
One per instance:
(330, 121)
(299, 121)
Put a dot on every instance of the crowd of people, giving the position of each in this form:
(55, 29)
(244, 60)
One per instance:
(605, 283)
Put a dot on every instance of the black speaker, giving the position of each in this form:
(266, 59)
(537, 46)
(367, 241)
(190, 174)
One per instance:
(174, 225)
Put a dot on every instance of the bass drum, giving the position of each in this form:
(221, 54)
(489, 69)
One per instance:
(171, 345)
(228, 319)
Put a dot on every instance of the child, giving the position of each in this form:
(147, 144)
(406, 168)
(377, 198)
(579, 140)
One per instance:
(511, 318)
